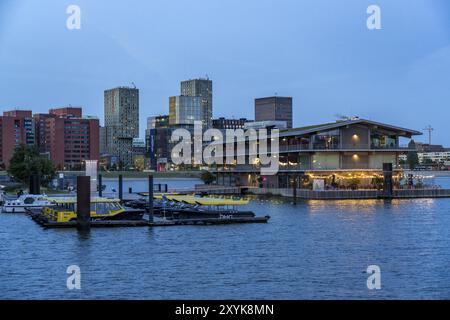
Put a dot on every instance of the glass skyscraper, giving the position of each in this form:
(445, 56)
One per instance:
(121, 122)
(200, 88)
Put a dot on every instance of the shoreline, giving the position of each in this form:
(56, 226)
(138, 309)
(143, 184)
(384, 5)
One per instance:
(133, 174)
(436, 174)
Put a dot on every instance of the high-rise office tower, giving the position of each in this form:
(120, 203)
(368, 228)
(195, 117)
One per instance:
(201, 88)
(157, 140)
(274, 109)
(121, 123)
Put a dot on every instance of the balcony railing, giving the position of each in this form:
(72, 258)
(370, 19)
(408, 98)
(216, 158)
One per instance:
(305, 147)
(295, 147)
(296, 168)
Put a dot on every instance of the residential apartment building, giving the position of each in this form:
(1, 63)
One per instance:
(16, 127)
(63, 134)
(430, 157)
(121, 123)
(67, 137)
(40, 125)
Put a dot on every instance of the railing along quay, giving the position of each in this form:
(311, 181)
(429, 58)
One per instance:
(352, 194)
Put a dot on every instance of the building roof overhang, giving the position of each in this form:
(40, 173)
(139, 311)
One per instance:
(339, 124)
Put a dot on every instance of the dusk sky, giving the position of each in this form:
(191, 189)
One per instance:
(319, 52)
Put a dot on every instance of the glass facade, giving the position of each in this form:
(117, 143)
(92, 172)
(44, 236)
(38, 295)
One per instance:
(326, 140)
(200, 88)
(304, 162)
(121, 122)
(325, 161)
(185, 110)
(382, 141)
(376, 161)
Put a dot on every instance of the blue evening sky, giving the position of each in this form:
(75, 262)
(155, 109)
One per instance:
(319, 52)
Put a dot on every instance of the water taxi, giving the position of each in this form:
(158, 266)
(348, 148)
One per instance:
(64, 209)
(194, 207)
(204, 200)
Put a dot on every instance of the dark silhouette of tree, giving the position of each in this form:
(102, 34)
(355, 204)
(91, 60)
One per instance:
(207, 177)
(413, 159)
(26, 161)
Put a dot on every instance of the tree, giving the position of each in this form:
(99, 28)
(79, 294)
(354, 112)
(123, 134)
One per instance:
(207, 177)
(413, 159)
(26, 161)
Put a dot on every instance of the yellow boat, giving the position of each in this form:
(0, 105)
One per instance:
(205, 201)
(63, 209)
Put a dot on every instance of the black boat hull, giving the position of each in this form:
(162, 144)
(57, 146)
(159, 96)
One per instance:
(173, 213)
(128, 214)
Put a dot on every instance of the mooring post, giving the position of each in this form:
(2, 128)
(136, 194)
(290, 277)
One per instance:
(100, 186)
(35, 184)
(120, 187)
(294, 191)
(83, 202)
(388, 188)
(38, 184)
(150, 198)
(166, 188)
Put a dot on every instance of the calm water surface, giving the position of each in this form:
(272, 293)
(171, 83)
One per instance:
(316, 249)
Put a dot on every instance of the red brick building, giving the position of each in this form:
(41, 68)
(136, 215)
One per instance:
(16, 127)
(63, 134)
(67, 137)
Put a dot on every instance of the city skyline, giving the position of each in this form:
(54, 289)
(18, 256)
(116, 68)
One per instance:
(404, 65)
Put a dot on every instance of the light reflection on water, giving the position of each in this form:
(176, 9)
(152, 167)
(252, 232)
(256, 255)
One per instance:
(315, 249)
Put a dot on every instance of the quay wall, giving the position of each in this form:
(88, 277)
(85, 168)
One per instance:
(352, 194)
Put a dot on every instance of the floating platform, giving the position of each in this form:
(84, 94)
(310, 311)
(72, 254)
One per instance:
(208, 221)
(44, 222)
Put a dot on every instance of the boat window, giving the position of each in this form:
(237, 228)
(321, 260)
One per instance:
(102, 208)
(115, 206)
(28, 200)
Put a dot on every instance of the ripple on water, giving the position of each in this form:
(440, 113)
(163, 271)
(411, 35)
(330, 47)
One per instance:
(316, 249)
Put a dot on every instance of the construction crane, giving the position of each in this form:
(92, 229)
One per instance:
(430, 130)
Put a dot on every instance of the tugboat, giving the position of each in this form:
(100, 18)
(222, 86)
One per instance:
(106, 209)
(23, 202)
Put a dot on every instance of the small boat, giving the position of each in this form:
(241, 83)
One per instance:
(204, 200)
(199, 213)
(64, 209)
(25, 201)
(190, 208)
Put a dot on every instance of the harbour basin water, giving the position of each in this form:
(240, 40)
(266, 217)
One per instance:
(312, 250)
